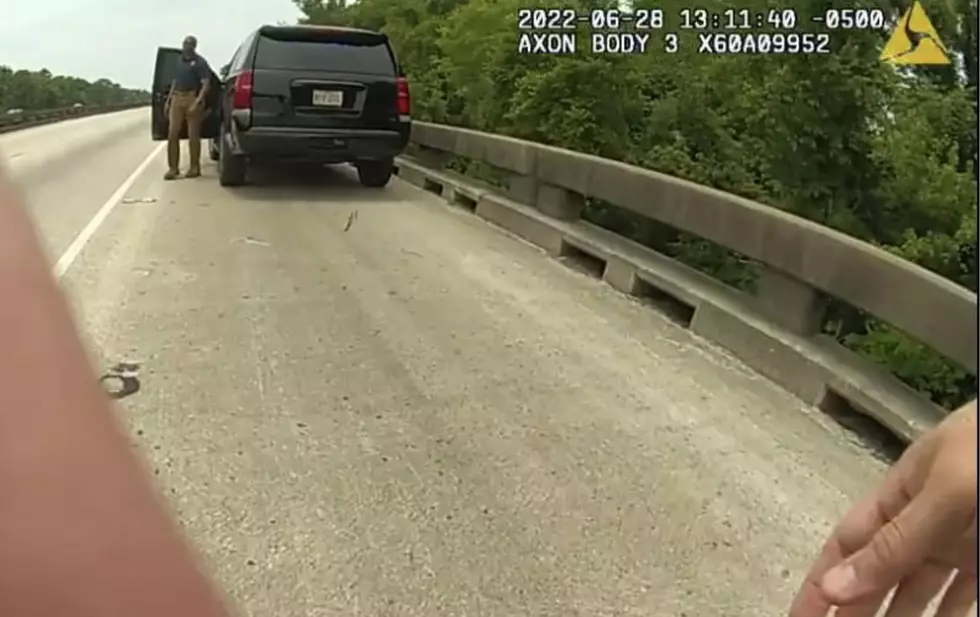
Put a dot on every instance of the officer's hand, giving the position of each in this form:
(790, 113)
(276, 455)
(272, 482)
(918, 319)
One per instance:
(913, 532)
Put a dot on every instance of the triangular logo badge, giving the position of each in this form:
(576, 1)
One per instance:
(915, 41)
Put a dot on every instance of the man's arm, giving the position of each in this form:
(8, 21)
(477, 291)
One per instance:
(170, 95)
(82, 530)
(911, 532)
(204, 73)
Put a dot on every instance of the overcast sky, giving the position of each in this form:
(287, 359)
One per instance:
(117, 39)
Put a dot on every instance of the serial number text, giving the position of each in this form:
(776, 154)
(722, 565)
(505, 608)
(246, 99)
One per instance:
(763, 43)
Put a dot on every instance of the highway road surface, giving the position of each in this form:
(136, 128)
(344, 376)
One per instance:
(366, 402)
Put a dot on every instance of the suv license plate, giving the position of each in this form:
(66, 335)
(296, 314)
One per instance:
(328, 98)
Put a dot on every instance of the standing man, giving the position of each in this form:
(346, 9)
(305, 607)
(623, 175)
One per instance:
(185, 103)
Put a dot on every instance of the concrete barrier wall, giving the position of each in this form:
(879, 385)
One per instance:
(776, 330)
(28, 119)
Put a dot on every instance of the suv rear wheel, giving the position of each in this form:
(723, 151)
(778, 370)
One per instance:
(231, 167)
(375, 174)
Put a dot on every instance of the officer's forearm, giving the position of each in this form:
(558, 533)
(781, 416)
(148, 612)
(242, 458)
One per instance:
(203, 92)
(82, 528)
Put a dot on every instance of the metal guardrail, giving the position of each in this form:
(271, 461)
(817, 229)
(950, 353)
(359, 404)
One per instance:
(776, 329)
(28, 118)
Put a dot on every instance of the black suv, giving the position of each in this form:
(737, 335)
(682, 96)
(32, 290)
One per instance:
(303, 94)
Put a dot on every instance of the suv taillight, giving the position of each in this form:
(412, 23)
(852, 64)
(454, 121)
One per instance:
(404, 97)
(242, 94)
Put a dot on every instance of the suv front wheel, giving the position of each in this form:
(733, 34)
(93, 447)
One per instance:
(375, 174)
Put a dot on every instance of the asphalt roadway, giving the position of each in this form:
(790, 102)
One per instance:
(366, 402)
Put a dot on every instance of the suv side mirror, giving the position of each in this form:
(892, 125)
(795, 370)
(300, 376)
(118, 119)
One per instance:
(223, 71)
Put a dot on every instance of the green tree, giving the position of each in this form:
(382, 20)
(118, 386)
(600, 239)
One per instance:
(37, 90)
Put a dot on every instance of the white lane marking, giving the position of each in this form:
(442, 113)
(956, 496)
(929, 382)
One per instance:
(75, 248)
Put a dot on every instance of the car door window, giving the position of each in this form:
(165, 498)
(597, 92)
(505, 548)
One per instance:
(234, 63)
(166, 68)
(240, 59)
(358, 53)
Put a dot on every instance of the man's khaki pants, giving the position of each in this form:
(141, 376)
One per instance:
(180, 112)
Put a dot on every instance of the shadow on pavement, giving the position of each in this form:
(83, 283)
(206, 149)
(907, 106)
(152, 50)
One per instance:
(307, 183)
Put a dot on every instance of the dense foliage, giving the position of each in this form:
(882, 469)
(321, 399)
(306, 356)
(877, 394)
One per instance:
(34, 90)
(888, 156)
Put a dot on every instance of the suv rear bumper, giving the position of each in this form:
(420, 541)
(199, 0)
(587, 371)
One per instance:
(321, 145)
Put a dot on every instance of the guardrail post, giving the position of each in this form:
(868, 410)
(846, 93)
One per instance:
(554, 201)
(523, 189)
(559, 203)
(790, 303)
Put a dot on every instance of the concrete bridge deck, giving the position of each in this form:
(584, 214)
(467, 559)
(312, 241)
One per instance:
(368, 403)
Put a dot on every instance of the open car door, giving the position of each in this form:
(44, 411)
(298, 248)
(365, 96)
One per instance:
(163, 75)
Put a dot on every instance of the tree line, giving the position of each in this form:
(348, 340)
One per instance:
(884, 154)
(37, 90)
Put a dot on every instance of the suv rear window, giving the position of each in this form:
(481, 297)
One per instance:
(317, 51)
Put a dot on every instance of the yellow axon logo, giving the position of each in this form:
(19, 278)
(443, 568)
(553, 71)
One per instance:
(915, 41)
